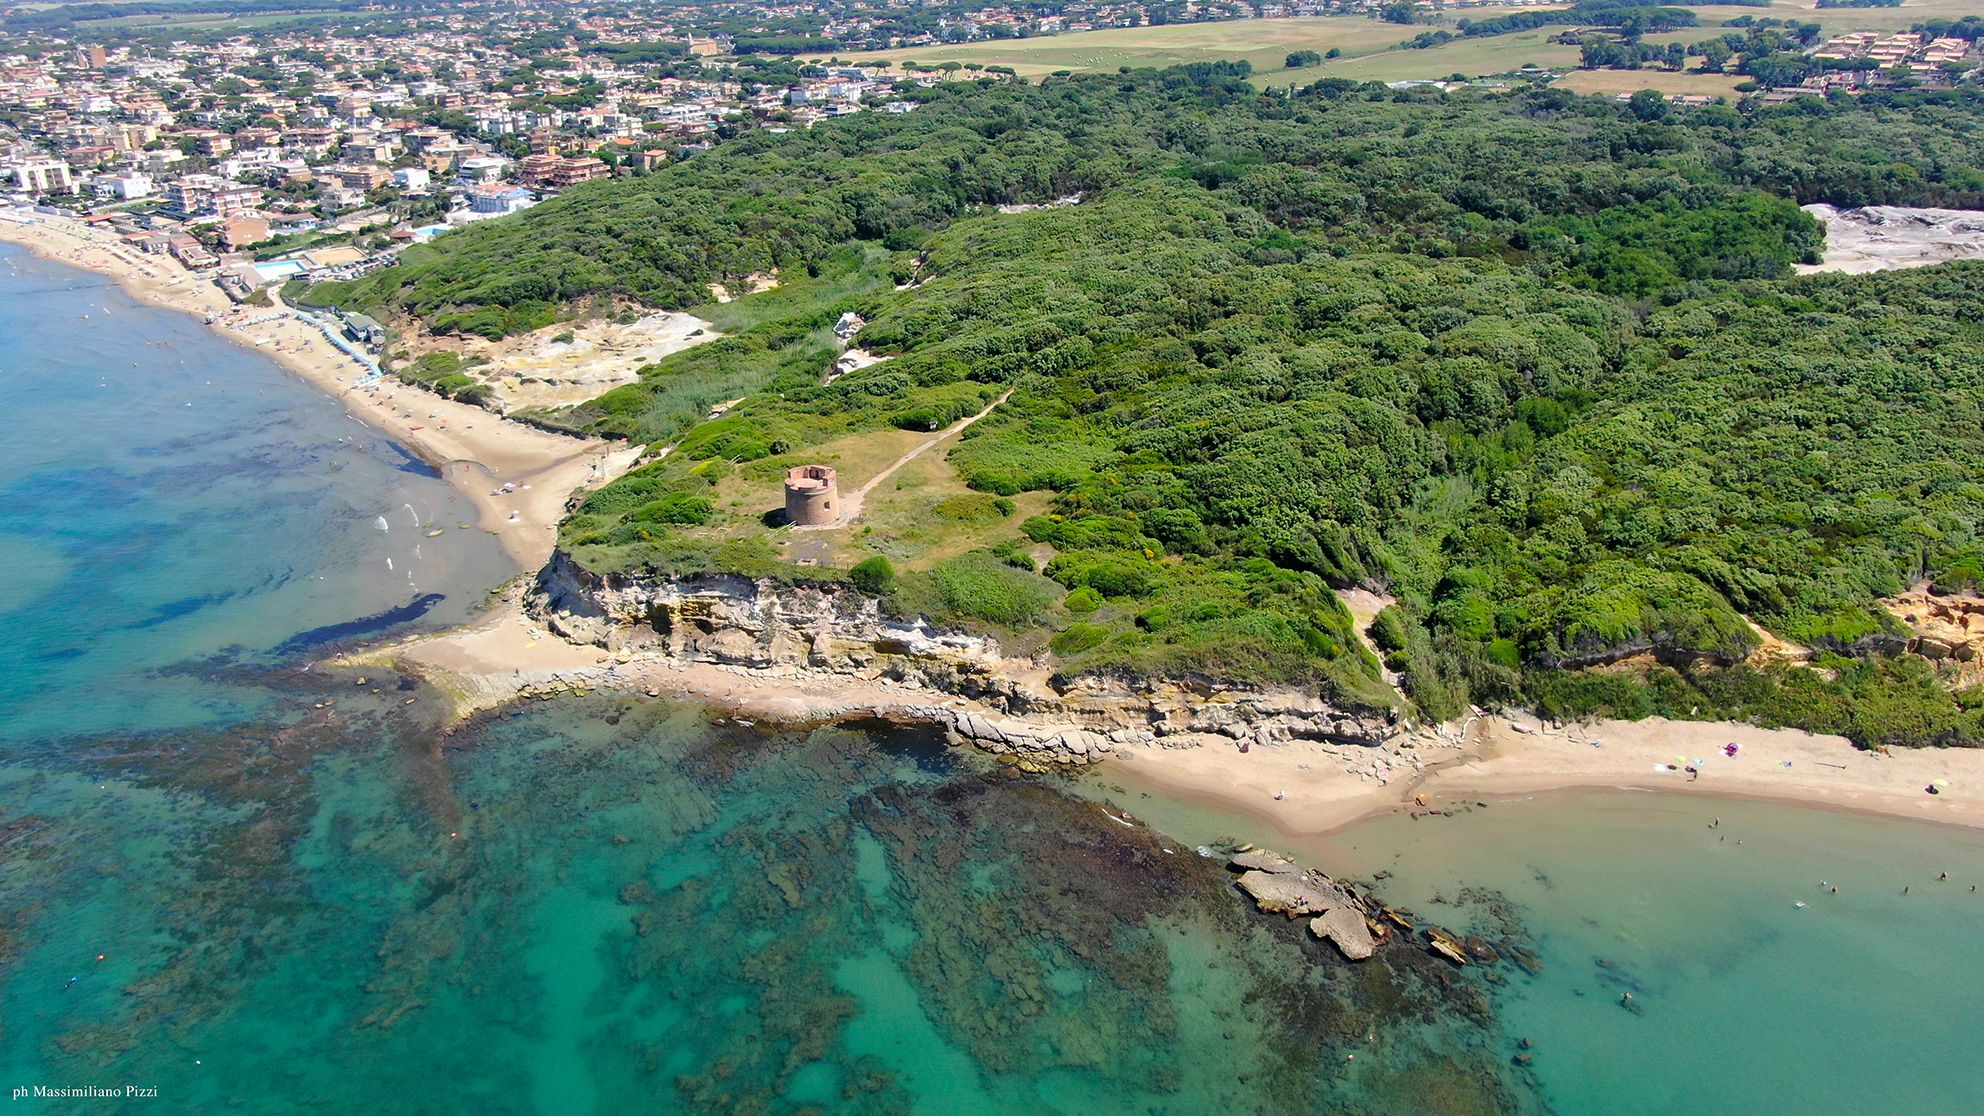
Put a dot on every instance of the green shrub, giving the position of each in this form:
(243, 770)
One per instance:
(1083, 599)
(980, 586)
(873, 575)
(1107, 575)
(1388, 629)
(973, 509)
(1077, 638)
(676, 507)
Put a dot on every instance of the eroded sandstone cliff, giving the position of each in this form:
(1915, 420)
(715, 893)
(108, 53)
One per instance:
(1014, 705)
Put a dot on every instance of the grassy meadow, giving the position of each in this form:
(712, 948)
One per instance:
(1262, 42)
(1494, 54)
(1370, 48)
(1632, 81)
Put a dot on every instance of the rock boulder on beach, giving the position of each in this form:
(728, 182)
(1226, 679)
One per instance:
(1262, 860)
(1292, 893)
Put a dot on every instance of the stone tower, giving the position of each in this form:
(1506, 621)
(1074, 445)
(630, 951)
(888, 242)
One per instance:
(810, 495)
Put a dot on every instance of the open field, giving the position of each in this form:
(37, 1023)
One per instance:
(1262, 42)
(1493, 54)
(1506, 53)
(1370, 47)
(1632, 81)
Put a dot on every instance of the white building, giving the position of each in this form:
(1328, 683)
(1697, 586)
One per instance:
(497, 198)
(412, 180)
(481, 168)
(126, 187)
(44, 177)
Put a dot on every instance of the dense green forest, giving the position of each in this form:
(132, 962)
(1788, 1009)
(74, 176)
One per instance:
(1531, 363)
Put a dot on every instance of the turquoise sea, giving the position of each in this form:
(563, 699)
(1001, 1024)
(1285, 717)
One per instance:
(172, 505)
(1757, 987)
(263, 887)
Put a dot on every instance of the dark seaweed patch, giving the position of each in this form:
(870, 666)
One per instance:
(355, 629)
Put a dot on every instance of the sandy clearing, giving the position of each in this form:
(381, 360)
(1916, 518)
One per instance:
(1881, 237)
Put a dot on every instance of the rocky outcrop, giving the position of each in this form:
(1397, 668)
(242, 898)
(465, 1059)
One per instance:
(1260, 860)
(1278, 885)
(1942, 624)
(1294, 894)
(1348, 929)
(1445, 945)
(1022, 711)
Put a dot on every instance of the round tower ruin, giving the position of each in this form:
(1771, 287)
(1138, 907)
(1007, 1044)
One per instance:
(811, 498)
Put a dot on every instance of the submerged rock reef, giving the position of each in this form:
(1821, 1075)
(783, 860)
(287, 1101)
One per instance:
(1357, 922)
(1026, 712)
(613, 902)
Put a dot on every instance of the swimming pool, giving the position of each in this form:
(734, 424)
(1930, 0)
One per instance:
(275, 271)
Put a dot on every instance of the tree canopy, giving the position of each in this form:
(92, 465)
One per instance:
(1534, 364)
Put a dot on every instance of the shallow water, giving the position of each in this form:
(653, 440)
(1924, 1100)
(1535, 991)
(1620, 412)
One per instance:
(1747, 1001)
(258, 886)
(602, 903)
(170, 502)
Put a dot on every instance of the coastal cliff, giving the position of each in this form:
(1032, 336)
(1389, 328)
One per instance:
(1014, 705)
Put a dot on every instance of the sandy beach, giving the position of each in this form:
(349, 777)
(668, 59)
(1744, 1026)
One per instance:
(476, 451)
(1324, 788)
(1298, 788)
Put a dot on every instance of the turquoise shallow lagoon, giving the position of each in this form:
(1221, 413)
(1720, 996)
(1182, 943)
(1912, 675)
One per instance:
(1867, 998)
(1748, 1002)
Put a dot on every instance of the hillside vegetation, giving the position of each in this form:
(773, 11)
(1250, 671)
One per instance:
(1533, 364)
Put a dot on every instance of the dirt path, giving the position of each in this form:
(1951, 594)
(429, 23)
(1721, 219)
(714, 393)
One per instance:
(851, 505)
(1773, 648)
(1364, 607)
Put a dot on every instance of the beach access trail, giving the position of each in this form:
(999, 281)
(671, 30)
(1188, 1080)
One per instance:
(476, 451)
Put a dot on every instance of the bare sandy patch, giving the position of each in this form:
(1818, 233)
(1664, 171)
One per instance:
(569, 362)
(1880, 237)
(752, 284)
